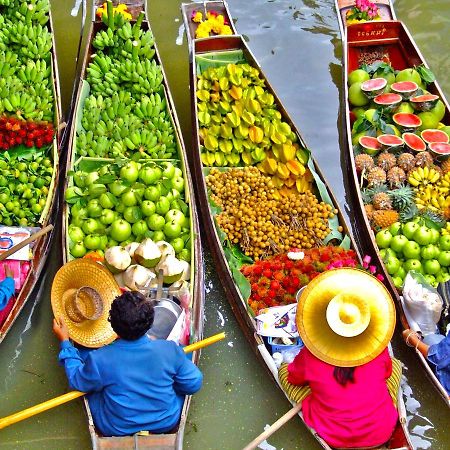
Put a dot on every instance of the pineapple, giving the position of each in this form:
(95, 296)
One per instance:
(369, 211)
(445, 166)
(376, 176)
(384, 218)
(409, 212)
(406, 162)
(402, 198)
(386, 161)
(382, 201)
(395, 176)
(423, 159)
(364, 162)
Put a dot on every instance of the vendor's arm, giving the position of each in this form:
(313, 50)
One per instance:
(188, 379)
(297, 368)
(6, 290)
(413, 340)
(82, 375)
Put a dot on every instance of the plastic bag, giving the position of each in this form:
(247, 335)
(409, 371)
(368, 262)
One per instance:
(423, 302)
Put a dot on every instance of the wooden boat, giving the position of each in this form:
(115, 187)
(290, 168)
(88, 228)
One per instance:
(343, 7)
(392, 42)
(41, 247)
(144, 441)
(233, 50)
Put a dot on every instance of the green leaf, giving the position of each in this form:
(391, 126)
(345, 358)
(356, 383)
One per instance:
(426, 74)
(380, 67)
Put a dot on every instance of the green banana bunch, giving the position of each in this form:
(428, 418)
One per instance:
(35, 72)
(150, 106)
(20, 104)
(34, 10)
(104, 39)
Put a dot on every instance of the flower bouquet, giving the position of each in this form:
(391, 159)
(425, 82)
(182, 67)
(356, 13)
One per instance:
(363, 11)
(213, 23)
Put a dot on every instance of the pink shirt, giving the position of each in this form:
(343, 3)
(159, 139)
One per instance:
(359, 414)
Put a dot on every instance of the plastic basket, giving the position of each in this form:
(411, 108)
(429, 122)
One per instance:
(282, 347)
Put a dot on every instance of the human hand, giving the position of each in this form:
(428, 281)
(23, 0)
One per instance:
(60, 329)
(411, 337)
(8, 271)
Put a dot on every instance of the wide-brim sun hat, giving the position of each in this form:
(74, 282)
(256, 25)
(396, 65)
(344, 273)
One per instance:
(345, 317)
(82, 293)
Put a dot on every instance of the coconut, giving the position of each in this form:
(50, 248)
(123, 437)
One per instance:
(138, 277)
(131, 248)
(165, 248)
(117, 259)
(172, 268)
(147, 254)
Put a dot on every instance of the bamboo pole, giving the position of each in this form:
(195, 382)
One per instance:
(49, 404)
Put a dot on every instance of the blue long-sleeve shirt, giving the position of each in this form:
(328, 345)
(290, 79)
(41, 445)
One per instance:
(133, 385)
(6, 291)
(439, 356)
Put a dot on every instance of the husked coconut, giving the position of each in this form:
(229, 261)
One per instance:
(166, 249)
(147, 254)
(131, 248)
(117, 259)
(138, 277)
(172, 268)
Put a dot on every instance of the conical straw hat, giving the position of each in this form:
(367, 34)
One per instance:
(345, 317)
(82, 293)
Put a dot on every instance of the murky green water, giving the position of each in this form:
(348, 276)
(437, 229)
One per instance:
(297, 43)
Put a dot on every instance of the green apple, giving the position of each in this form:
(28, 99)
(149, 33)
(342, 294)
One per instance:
(434, 235)
(92, 241)
(413, 264)
(79, 211)
(78, 250)
(108, 216)
(117, 188)
(90, 226)
(150, 175)
(103, 242)
(444, 242)
(185, 255)
(132, 214)
(177, 244)
(178, 183)
(168, 169)
(177, 172)
(120, 230)
(112, 243)
(383, 238)
(175, 215)
(398, 282)
(443, 258)
(398, 242)
(129, 198)
(395, 228)
(139, 228)
(409, 228)
(423, 235)
(431, 279)
(162, 206)
(94, 209)
(120, 208)
(431, 266)
(148, 208)
(156, 222)
(75, 233)
(107, 200)
(152, 193)
(401, 273)
(91, 178)
(158, 236)
(129, 172)
(392, 265)
(430, 251)
(172, 229)
(411, 250)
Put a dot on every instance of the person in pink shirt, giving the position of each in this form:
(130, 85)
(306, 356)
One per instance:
(346, 319)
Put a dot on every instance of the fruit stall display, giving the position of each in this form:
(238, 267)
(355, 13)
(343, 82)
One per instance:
(126, 190)
(400, 137)
(28, 154)
(264, 193)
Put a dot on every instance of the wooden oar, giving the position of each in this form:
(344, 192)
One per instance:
(26, 241)
(274, 427)
(41, 407)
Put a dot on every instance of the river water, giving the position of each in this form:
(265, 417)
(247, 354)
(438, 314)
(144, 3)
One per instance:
(298, 45)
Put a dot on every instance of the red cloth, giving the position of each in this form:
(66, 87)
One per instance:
(359, 414)
(7, 309)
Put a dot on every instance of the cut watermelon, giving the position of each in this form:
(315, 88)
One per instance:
(406, 121)
(388, 101)
(414, 142)
(405, 88)
(373, 87)
(440, 149)
(370, 145)
(431, 135)
(390, 141)
(424, 102)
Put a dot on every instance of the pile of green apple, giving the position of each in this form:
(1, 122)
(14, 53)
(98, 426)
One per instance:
(415, 246)
(127, 202)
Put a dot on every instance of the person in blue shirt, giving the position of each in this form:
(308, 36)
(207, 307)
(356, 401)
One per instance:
(438, 354)
(6, 288)
(136, 383)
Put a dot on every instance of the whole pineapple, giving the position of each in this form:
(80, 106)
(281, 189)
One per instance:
(395, 176)
(423, 159)
(364, 162)
(406, 162)
(382, 201)
(445, 166)
(384, 218)
(369, 211)
(386, 161)
(376, 176)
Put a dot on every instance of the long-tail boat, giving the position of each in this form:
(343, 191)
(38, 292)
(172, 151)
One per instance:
(140, 29)
(30, 134)
(383, 49)
(222, 67)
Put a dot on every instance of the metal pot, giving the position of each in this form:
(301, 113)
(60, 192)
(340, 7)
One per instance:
(167, 312)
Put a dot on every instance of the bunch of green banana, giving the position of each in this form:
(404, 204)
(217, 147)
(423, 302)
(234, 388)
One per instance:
(105, 39)
(6, 2)
(8, 64)
(33, 10)
(137, 48)
(35, 71)
(21, 104)
(150, 106)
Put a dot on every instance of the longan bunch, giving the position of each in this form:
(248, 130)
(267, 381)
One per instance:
(263, 223)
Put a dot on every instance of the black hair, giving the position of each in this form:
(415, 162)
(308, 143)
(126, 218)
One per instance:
(131, 315)
(344, 375)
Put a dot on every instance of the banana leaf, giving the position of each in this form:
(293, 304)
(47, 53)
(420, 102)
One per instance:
(218, 59)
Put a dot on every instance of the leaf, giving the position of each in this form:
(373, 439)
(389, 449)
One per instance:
(380, 67)
(426, 74)
(106, 179)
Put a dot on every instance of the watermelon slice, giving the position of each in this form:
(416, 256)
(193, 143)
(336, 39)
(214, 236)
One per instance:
(432, 135)
(414, 142)
(405, 88)
(370, 145)
(440, 149)
(388, 101)
(373, 87)
(390, 141)
(407, 121)
(424, 102)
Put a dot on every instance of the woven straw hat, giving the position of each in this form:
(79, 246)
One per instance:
(345, 317)
(82, 293)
